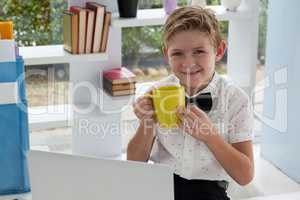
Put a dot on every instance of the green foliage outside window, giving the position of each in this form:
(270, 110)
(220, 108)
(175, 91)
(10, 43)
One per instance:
(134, 39)
(36, 22)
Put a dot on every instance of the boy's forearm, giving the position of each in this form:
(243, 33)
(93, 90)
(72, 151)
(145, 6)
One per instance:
(140, 145)
(237, 165)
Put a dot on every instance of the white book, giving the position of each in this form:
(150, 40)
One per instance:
(9, 93)
(7, 51)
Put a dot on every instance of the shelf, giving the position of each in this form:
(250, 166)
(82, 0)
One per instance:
(52, 116)
(144, 17)
(54, 54)
(149, 17)
(115, 104)
(106, 105)
(56, 116)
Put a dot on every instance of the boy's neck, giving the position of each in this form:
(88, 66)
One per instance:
(192, 91)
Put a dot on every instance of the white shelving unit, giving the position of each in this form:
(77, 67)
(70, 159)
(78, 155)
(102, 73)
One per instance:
(54, 54)
(151, 17)
(85, 70)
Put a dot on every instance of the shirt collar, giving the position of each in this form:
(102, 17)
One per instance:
(211, 87)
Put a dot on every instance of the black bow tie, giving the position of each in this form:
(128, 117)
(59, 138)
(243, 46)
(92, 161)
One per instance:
(202, 101)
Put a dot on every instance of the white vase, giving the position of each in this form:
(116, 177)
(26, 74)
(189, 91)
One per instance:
(201, 3)
(231, 5)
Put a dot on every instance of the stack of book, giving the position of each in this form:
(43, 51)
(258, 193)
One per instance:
(86, 29)
(14, 140)
(119, 81)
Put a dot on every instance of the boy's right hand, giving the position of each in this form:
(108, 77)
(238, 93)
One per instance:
(143, 108)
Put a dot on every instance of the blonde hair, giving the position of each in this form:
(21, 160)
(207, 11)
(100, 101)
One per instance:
(192, 18)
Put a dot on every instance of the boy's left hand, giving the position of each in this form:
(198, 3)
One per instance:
(195, 122)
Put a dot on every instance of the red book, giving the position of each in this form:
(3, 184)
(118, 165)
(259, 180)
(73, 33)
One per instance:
(119, 75)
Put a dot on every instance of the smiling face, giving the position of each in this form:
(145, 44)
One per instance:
(192, 58)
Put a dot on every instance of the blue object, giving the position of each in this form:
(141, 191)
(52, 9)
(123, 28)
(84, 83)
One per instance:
(14, 133)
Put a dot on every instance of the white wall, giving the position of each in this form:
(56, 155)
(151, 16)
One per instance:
(281, 137)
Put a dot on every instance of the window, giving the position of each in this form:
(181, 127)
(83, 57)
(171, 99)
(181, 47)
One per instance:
(47, 84)
(39, 23)
(142, 49)
(142, 52)
(35, 22)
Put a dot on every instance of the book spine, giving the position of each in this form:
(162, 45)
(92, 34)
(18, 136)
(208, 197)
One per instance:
(75, 31)
(67, 33)
(105, 34)
(115, 87)
(98, 29)
(82, 31)
(89, 31)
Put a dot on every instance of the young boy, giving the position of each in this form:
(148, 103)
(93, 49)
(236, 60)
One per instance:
(213, 142)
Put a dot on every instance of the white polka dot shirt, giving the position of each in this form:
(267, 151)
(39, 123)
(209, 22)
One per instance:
(190, 158)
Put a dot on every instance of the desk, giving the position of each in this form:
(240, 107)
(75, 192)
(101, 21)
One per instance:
(285, 196)
(28, 196)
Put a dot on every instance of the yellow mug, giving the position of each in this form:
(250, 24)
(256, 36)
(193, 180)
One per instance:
(166, 100)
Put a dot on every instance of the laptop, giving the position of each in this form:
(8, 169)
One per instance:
(55, 176)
